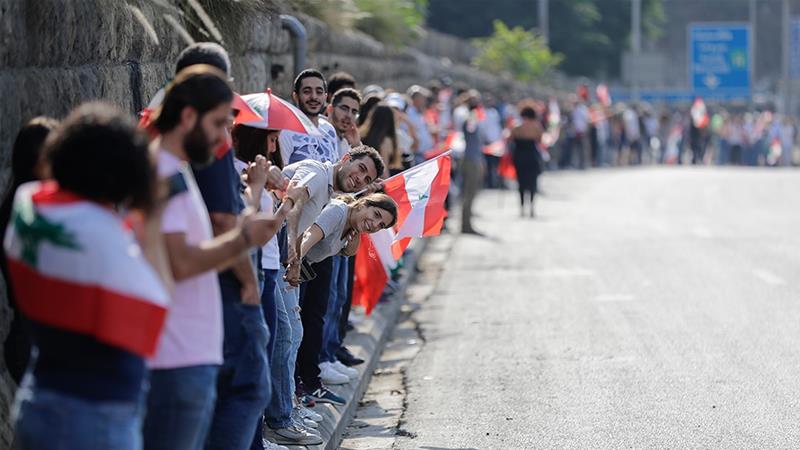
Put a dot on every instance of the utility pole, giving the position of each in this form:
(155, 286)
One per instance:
(544, 21)
(787, 54)
(636, 46)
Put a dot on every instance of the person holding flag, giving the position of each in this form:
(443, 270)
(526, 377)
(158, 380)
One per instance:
(96, 307)
(337, 231)
(359, 169)
(420, 194)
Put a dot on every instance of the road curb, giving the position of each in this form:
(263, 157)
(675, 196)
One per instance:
(367, 342)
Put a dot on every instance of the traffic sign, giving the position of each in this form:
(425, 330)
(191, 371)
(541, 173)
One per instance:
(794, 48)
(719, 59)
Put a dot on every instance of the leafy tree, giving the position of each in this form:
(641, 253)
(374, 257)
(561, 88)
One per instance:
(516, 51)
(591, 34)
(396, 22)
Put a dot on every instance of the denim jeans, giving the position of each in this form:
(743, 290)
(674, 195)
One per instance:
(179, 407)
(331, 340)
(47, 419)
(287, 342)
(243, 385)
(269, 303)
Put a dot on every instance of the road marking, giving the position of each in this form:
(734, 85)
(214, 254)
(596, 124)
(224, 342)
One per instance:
(603, 298)
(768, 277)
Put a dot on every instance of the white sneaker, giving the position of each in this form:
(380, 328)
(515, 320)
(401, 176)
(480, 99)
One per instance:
(308, 414)
(310, 430)
(329, 375)
(308, 423)
(271, 445)
(341, 368)
(293, 435)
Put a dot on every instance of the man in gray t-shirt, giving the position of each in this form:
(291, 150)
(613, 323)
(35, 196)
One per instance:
(358, 170)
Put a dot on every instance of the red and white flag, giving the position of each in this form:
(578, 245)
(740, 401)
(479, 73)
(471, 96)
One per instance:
(76, 267)
(420, 193)
(373, 266)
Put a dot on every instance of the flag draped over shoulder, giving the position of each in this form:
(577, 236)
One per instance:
(420, 193)
(75, 267)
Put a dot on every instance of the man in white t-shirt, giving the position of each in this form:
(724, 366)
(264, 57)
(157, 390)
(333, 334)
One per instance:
(192, 122)
(309, 93)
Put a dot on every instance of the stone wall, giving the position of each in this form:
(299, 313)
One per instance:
(55, 54)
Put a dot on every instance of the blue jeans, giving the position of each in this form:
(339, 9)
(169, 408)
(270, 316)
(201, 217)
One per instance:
(179, 407)
(243, 385)
(287, 343)
(269, 303)
(47, 419)
(331, 340)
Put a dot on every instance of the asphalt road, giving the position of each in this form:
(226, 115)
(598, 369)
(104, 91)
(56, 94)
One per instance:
(652, 308)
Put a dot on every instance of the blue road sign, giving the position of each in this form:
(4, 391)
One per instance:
(794, 49)
(719, 59)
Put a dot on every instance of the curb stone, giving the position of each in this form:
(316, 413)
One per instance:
(367, 342)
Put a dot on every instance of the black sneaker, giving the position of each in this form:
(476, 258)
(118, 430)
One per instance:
(323, 395)
(347, 358)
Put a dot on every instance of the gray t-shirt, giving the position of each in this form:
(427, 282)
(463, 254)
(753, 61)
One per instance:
(320, 188)
(332, 221)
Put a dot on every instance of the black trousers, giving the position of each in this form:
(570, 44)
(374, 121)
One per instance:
(351, 270)
(313, 306)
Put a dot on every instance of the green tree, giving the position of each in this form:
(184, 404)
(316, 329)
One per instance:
(591, 34)
(516, 51)
(396, 22)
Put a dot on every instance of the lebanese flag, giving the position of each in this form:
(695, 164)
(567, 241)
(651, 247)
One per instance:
(370, 275)
(76, 267)
(420, 193)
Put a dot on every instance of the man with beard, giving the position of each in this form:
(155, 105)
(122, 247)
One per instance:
(309, 93)
(359, 169)
(192, 122)
(343, 115)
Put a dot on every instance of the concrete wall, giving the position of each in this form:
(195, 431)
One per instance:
(55, 54)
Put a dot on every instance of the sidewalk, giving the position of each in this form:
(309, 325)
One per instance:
(366, 342)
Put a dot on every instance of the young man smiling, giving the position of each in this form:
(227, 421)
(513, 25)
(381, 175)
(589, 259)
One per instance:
(309, 93)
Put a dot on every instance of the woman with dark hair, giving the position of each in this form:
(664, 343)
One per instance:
(95, 305)
(380, 132)
(525, 139)
(26, 166)
(339, 225)
(367, 106)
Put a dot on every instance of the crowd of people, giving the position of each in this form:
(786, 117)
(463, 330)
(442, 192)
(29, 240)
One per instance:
(599, 134)
(186, 282)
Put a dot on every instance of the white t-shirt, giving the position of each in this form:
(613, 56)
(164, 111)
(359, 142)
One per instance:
(270, 254)
(343, 146)
(193, 332)
(320, 146)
